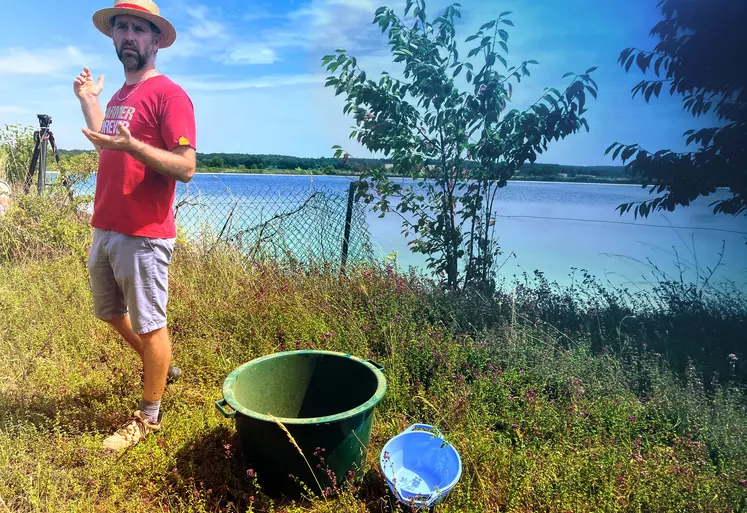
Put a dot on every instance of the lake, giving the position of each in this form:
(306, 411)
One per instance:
(551, 227)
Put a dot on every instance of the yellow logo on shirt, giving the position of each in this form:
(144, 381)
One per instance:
(183, 141)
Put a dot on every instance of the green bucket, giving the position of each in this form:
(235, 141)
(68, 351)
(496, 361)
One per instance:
(324, 399)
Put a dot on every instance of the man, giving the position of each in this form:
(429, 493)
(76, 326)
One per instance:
(146, 142)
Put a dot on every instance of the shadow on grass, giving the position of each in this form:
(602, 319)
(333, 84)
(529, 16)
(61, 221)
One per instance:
(212, 466)
(84, 412)
(212, 469)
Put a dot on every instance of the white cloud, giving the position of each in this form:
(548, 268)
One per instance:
(249, 53)
(258, 14)
(21, 61)
(323, 25)
(12, 109)
(205, 28)
(208, 30)
(217, 83)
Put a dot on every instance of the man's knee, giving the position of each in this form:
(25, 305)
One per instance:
(155, 335)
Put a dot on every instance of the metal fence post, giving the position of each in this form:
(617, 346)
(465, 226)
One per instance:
(348, 220)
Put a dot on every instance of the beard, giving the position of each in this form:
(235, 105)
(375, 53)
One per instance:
(134, 59)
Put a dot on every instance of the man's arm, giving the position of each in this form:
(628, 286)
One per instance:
(178, 164)
(92, 112)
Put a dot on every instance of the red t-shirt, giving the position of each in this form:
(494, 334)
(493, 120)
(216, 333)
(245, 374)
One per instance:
(132, 198)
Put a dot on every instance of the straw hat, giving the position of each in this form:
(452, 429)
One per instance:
(145, 9)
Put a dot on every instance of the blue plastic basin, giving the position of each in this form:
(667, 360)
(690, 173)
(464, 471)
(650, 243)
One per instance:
(420, 467)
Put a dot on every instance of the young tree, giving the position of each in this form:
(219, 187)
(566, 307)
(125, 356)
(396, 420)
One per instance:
(426, 118)
(16, 148)
(74, 170)
(700, 47)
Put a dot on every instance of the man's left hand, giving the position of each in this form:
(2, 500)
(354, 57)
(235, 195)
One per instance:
(123, 141)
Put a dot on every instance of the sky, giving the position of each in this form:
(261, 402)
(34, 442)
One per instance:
(253, 69)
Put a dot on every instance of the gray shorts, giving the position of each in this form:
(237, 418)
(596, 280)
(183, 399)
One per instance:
(130, 275)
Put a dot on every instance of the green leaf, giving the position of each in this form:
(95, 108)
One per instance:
(508, 22)
(469, 76)
(474, 52)
(592, 91)
(629, 151)
(641, 61)
(504, 46)
(648, 93)
(610, 148)
(457, 70)
(592, 69)
(505, 13)
(500, 58)
(657, 65)
(617, 152)
(503, 34)
(629, 63)
(408, 6)
(469, 66)
(471, 38)
(532, 62)
(489, 25)
(569, 74)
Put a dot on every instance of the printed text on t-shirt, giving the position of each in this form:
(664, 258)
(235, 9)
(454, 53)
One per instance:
(114, 115)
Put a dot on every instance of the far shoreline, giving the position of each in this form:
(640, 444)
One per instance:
(520, 180)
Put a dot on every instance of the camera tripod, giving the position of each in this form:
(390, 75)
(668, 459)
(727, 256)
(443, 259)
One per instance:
(42, 137)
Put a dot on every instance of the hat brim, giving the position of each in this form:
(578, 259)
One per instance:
(101, 20)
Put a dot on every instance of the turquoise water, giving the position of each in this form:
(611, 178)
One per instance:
(551, 227)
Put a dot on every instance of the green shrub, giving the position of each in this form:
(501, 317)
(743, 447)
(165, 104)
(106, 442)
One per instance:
(40, 229)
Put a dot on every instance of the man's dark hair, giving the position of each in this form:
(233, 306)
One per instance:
(153, 27)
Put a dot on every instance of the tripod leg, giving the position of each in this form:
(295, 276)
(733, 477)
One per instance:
(32, 165)
(42, 164)
(54, 147)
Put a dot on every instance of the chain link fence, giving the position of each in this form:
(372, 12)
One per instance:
(300, 222)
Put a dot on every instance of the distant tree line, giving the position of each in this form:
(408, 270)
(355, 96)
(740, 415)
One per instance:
(332, 166)
(353, 165)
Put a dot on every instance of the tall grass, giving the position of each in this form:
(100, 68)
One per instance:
(544, 416)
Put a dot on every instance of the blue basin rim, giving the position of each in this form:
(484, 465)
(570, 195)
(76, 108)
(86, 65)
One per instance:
(372, 401)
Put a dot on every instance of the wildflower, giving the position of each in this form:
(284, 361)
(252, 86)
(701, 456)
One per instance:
(732, 357)
(251, 498)
(250, 473)
(631, 418)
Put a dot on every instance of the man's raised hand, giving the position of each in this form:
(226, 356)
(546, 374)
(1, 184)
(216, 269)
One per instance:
(85, 87)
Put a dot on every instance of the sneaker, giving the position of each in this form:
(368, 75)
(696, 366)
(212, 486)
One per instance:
(135, 429)
(173, 375)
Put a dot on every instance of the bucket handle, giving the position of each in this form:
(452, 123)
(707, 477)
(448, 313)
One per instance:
(375, 364)
(424, 427)
(227, 414)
